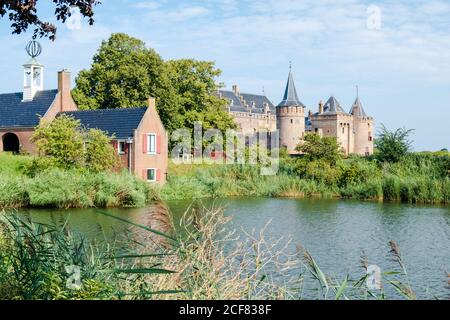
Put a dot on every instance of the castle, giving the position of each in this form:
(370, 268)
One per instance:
(254, 113)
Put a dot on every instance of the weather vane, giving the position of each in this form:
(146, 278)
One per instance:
(33, 48)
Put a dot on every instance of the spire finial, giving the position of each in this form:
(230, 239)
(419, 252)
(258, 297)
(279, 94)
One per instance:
(290, 65)
(33, 48)
(357, 91)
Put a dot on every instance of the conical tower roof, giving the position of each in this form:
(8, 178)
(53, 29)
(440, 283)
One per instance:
(357, 109)
(333, 106)
(290, 97)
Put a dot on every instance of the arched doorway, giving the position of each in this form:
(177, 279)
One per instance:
(11, 143)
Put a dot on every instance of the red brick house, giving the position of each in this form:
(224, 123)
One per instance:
(137, 133)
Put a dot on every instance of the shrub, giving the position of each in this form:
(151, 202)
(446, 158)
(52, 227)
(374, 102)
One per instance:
(315, 147)
(100, 154)
(321, 171)
(61, 139)
(38, 165)
(392, 146)
(65, 144)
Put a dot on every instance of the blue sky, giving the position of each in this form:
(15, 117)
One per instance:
(402, 68)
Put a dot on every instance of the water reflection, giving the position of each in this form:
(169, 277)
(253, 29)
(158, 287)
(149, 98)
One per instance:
(335, 232)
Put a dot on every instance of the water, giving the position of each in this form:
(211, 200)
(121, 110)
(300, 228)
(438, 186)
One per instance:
(335, 232)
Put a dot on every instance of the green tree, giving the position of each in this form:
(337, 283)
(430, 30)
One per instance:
(392, 146)
(100, 154)
(124, 73)
(62, 140)
(315, 147)
(195, 85)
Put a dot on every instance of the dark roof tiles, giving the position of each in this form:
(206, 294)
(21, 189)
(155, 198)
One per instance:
(119, 123)
(15, 113)
(332, 106)
(290, 97)
(254, 101)
(357, 109)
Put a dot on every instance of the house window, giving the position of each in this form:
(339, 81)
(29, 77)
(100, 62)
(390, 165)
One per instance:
(121, 147)
(151, 143)
(151, 175)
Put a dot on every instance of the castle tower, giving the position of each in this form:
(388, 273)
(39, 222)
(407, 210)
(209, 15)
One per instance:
(33, 72)
(290, 117)
(363, 129)
(333, 121)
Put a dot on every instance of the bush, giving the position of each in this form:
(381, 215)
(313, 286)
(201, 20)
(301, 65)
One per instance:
(38, 165)
(65, 144)
(322, 172)
(100, 154)
(61, 139)
(392, 146)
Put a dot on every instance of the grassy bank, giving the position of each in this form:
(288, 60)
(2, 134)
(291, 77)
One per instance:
(57, 188)
(419, 178)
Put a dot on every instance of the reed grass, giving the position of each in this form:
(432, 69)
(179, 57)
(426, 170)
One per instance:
(206, 261)
(418, 178)
(58, 188)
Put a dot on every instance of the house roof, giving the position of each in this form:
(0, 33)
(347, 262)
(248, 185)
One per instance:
(290, 97)
(236, 105)
(357, 109)
(332, 106)
(15, 113)
(119, 123)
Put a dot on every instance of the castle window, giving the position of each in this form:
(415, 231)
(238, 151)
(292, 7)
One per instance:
(292, 121)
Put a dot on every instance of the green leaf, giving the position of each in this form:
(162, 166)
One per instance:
(144, 271)
(137, 225)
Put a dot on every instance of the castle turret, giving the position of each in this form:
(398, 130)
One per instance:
(290, 117)
(363, 129)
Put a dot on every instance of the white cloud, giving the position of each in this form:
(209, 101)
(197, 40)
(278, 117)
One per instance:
(149, 5)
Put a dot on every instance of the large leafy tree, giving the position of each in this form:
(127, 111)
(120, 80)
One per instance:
(195, 87)
(124, 73)
(23, 14)
(392, 146)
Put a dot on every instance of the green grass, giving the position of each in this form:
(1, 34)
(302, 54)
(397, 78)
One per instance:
(11, 164)
(419, 178)
(57, 188)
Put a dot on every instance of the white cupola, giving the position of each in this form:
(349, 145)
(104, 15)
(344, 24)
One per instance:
(33, 72)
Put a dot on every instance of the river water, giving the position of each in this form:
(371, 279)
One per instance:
(335, 232)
